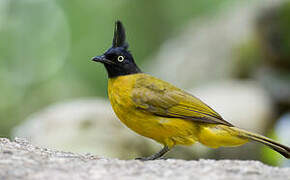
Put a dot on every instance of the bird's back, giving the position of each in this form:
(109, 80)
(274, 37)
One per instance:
(163, 99)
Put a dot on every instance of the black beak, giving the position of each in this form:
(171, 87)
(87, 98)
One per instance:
(99, 58)
(102, 59)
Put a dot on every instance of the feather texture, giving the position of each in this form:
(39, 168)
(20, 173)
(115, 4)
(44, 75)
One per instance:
(163, 99)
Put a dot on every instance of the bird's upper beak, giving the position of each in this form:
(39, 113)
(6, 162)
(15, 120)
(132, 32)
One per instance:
(102, 59)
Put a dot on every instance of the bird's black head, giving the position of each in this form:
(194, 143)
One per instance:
(118, 60)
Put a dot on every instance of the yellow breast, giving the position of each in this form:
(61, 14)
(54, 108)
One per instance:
(119, 92)
(120, 95)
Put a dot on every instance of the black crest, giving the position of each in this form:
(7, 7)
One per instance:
(119, 39)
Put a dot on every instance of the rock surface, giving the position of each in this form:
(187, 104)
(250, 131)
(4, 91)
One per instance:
(21, 160)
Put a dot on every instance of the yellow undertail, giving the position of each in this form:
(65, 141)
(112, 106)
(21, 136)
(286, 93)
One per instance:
(221, 135)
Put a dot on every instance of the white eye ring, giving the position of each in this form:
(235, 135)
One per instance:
(120, 58)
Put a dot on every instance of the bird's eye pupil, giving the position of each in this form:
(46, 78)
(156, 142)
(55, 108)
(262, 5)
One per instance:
(121, 58)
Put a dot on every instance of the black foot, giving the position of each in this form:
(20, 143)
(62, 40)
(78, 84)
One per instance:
(155, 156)
(144, 159)
(150, 159)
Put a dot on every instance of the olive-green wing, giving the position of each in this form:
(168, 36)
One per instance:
(163, 99)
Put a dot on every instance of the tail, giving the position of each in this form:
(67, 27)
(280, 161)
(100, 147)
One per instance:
(280, 148)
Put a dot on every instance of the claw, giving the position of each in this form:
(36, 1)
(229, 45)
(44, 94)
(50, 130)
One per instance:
(144, 159)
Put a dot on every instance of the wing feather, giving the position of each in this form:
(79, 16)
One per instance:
(163, 99)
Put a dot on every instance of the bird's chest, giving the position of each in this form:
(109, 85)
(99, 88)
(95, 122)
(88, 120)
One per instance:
(119, 92)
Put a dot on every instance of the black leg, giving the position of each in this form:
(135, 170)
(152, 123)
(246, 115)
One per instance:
(159, 154)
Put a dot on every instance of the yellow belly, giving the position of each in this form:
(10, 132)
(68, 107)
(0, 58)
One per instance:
(167, 131)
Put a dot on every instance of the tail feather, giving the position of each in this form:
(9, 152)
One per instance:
(280, 148)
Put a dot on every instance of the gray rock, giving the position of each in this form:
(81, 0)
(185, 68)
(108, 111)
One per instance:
(21, 160)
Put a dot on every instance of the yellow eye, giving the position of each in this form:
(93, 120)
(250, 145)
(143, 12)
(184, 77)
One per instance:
(120, 58)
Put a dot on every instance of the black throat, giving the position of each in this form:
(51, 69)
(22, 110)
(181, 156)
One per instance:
(115, 71)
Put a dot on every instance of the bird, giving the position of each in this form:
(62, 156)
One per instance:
(156, 109)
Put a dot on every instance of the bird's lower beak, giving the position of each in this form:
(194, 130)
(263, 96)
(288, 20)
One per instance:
(102, 59)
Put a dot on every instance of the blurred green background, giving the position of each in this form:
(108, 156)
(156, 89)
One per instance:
(46, 47)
